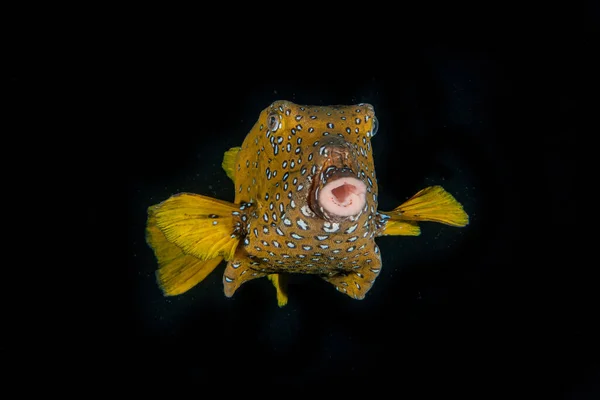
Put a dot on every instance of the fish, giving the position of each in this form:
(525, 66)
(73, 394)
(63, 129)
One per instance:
(305, 203)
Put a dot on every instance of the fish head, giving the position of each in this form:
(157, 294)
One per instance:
(317, 191)
(334, 157)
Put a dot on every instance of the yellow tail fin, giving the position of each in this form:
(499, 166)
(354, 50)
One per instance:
(228, 163)
(178, 272)
(280, 283)
(430, 204)
(200, 226)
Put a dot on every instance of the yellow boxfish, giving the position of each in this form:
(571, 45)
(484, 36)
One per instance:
(305, 203)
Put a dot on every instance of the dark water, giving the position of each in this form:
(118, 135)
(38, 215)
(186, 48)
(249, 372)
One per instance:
(490, 307)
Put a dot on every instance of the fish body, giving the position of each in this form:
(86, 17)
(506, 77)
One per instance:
(305, 202)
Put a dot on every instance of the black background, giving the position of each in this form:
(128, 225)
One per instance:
(500, 305)
(473, 304)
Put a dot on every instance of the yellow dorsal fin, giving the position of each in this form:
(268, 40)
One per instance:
(177, 272)
(430, 204)
(228, 163)
(280, 283)
(200, 226)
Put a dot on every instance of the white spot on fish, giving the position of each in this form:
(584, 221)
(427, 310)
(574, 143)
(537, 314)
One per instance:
(351, 229)
(302, 224)
(334, 228)
(306, 211)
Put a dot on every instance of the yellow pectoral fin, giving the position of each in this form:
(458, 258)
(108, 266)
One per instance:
(280, 283)
(228, 163)
(431, 204)
(200, 226)
(177, 272)
(402, 228)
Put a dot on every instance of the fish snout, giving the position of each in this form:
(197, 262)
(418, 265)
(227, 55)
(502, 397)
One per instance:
(339, 191)
(337, 152)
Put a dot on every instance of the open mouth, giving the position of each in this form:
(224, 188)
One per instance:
(343, 196)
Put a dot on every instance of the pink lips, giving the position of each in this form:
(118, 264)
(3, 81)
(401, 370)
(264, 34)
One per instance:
(343, 197)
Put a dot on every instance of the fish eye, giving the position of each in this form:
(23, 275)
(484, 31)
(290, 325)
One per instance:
(374, 126)
(273, 122)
